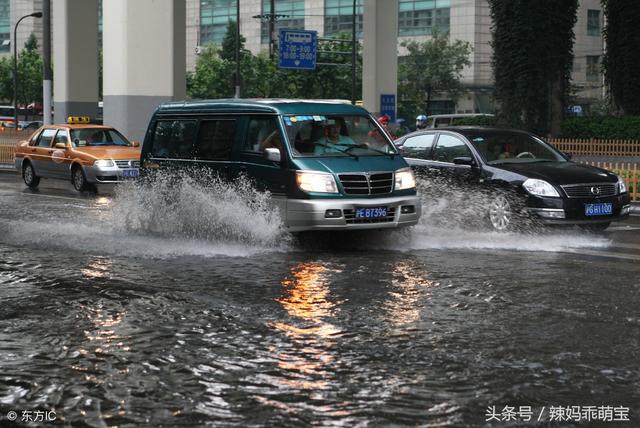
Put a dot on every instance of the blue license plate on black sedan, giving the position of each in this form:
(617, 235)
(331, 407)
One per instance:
(598, 209)
(130, 173)
(371, 212)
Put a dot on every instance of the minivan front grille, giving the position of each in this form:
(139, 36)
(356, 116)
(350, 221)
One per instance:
(127, 164)
(367, 184)
(589, 190)
(350, 217)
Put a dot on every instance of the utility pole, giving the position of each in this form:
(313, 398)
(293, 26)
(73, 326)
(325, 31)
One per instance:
(237, 80)
(353, 56)
(47, 75)
(272, 22)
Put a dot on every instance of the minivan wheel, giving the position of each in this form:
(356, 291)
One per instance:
(78, 179)
(501, 214)
(29, 176)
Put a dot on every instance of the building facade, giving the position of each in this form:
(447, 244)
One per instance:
(467, 20)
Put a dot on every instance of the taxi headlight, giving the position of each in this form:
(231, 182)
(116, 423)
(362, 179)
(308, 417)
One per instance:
(320, 182)
(540, 188)
(622, 188)
(405, 179)
(104, 163)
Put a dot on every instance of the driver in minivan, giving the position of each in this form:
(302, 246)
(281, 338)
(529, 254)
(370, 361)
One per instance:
(333, 141)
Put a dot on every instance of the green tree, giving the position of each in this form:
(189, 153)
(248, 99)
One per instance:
(532, 60)
(430, 68)
(621, 65)
(6, 78)
(30, 73)
(213, 76)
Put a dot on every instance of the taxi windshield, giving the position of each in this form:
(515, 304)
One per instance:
(97, 137)
(336, 135)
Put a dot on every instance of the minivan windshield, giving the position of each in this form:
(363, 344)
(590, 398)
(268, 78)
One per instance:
(336, 135)
(501, 147)
(97, 137)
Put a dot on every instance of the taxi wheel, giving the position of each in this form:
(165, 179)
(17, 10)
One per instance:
(29, 176)
(78, 179)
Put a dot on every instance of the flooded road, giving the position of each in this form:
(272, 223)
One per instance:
(116, 311)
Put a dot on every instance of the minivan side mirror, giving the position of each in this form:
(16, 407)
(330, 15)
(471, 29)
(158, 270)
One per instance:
(135, 144)
(272, 154)
(464, 160)
(61, 146)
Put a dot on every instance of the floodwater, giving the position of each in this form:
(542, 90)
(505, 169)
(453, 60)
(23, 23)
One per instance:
(127, 310)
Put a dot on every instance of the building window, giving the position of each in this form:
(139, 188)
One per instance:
(215, 16)
(5, 26)
(421, 17)
(338, 17)
(294, 19)
(593, 68)
(593, 23)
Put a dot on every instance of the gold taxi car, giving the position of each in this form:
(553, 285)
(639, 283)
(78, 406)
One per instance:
(78, 151)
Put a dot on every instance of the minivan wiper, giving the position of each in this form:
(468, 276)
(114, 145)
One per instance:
(368, 147)
(346, 151)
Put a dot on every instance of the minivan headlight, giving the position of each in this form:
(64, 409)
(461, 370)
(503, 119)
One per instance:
(104, 163)
(622, 188)
(405, 179)
(540, 188)
(320, 182)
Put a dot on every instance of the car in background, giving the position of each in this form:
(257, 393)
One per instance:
(26, 125)
(442, 120)
(523, 176)
(78, 151)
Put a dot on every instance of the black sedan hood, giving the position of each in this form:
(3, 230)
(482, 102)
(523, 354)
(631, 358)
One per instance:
(560, 173)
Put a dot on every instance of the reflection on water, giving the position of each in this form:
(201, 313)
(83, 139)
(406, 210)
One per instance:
(407, 295)
(307, 298)
(97, 267)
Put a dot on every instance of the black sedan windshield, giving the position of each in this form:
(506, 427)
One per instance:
(499, 147)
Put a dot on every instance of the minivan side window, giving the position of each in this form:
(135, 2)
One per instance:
(418, 147)
(173, 139)
(263, 133)
(449, 147)
(46, 137)
(215, 139)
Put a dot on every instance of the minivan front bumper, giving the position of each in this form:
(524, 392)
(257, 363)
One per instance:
(339, 214)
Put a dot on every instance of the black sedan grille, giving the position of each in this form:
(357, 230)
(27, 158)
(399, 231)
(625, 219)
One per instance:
(367, 184)
(127, 164)
(350, 217)
(589, 190)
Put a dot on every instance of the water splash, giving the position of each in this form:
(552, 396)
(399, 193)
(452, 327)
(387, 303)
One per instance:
(207, 208)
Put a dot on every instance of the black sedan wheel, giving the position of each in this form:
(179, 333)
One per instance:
(501, 214)
(29, 176)
(78, 179)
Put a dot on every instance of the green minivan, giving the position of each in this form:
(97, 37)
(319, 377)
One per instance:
(328, 165)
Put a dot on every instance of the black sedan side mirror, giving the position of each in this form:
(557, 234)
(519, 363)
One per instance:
(567, 155)
(464, 160)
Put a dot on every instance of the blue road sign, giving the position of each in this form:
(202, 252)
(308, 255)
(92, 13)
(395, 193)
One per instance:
(388, 106)
(297, 49)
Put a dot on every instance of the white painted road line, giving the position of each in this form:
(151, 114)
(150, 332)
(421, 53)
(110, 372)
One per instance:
(610, 254)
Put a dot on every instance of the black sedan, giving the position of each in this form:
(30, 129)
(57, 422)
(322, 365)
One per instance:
(522, 175)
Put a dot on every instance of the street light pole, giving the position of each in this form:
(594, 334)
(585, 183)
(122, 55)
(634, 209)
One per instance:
(15, 63)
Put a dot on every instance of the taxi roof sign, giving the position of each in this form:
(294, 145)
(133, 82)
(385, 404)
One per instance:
(78, 119)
